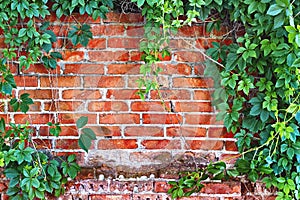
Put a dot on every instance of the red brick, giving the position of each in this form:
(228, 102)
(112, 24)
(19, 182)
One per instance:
(42, 144)
(161, 187)
(2, 43)
(193, 107)
(107, 30)
(119, 119)
(65, 131)
(192, 31)
(189, 56)
(81, 94)
(201, 119)
(104, 81)
(143, 131)
(128, 43)
(60, 30)
(3, 186)
(63, 81)
(222, 188)
(110, 197)
(71, 118)
(66, 144)
(117, 144)
(180, 68)
(41, 93)
(135, 56)
(204, 144)
(123, 69)
(73, 56)
(97, 43)
(33, 119)
(182, 44)
(41, 69)
(202, 95)
(229, 158)
(186, 132)
(162, 119)
(84, 68)
(108, 106)
(135, 31)
(63, 106)
(161, 144)
(108, 55)
(122, 94)
(106, 131)
(230, 146)
(218, 133)
(171, 94)
(26, 81)
(199, 70)
(124, 18)
(192, 82)
(148, 106)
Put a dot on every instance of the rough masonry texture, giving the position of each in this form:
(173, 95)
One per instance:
(140, 146)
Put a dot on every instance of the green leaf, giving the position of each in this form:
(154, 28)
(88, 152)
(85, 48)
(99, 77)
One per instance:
(81, 122)
(140, 3)
(85, 139)
(274, 10)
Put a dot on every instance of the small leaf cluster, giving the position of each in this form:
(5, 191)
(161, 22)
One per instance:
(32, 173)
(192, 182)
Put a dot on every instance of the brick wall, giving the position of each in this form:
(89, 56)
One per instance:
(139, 146)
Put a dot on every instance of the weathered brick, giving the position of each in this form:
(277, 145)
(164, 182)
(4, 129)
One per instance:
(162, 118)
(73, 56)
(122, 94)
(26, 81)
(84, 68)
(97, 43)
(41, 69)
(81, 94)
(124, 18)
(218, 133)
(123, 69)
(171, 94)
(117, 144)
(119, 119)
(180, 68)
(63, 106)
(161, 187)
(104, 81)
(204, 144)
(71, 118)
(108, 55)
(182, 44)
(135, 56)
(200, 119)
(66, 144)
(186, 132)
(110, 197)
(230, 146)
(108, 30)
(42, 144)
(41, 93)
(106, 131)
(189, 82)
(184, 106)
(148, 106)
(143, 131)
(135, 31)
(202, 95)
(107, 106)
(65, 131)
(161, 144)
(222, 188)
(33, 119)
(192, 31)
(189, 56)
(128, 43)
(64, 81)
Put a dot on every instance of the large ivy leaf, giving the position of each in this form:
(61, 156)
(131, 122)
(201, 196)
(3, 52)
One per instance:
(81, 122)
(85, 139)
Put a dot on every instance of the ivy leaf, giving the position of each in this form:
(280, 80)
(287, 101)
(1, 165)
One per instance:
(81, 122)
(85, 139)
(297, 117)
(274, 10)
(140, 3)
